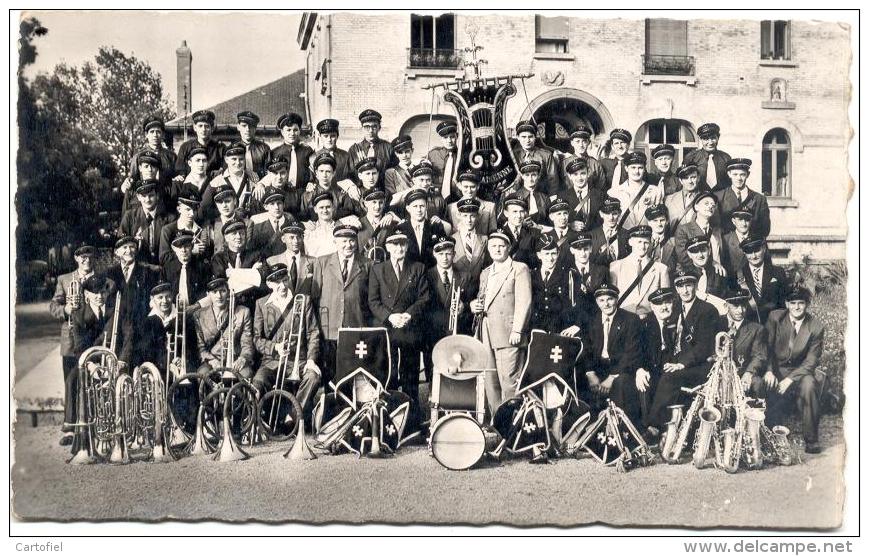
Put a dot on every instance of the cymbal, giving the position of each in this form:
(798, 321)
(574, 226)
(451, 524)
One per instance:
(460, 351)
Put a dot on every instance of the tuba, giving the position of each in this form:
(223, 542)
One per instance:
(152, 413)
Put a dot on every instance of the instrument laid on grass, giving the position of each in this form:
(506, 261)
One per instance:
(458, 442)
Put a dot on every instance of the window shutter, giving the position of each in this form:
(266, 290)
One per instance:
(552, 28)
(765, 46)
(666, 37)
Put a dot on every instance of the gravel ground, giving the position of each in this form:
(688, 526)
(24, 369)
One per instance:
(412, 487)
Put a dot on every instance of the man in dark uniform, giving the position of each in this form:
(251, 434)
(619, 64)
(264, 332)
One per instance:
(234, 175)
(203, 126)
(398, 295)
(585, 279)
(741, 220)
(324, 168)
(186, 275)
(264, 229)
(710, 162)
(421, 233)
(550, 294)
(154, 129)
(329, 131)
(659, 333)
(371, 145)
(443, 160)
(796, 342)
(663, 247)
(146, 221)
(697, 324)
(527, 150)
(149, 169)
(187, 207)
(739, 196)
(528, 188)
(297, 154)
(561, 233)
(614, 171)
(663, 175)
(257, 153)
(237, 255)
(609, 242)
(750, 350)
(521, 232)
(580, 140)
(584, 199)
(765, 282)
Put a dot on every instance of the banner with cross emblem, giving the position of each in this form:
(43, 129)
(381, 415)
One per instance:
(362, 351)
(549, 356)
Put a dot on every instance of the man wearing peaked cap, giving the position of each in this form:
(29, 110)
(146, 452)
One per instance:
(638, 274)
(153, 147)
(550, 288)
(422, 232)
(257, 154)
(586, 277)
(740, 197)
(561, 233)
(583, 195)
(767, 283)
(399, 177)
(525, 148)
(663, 247)
(710, 284)
(444, 160)
(658, 337)
(740, 220)
(300, 266)
(187, 208)
(264, 229)
(146, 221)
(297, 154)
(710, 161)
(704, 224)
(213, 333)
(750, 347)
(521, 232)
(609, 241)
(528, 188)
(374, 224)
(664, 174)
(186, 271)
(235, 174)
(203, 127)
(472, 254)
(796, 343)
(580, 141)
(636, 193)
(468, 185)
(372, 146)
(328, 132)
(680, 204)
(614, 171)
(194, 181)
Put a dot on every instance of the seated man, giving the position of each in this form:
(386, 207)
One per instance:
(696, 326)
(766, 282)
(614, 354)
(213, 335)
(796, 341)
(749, 339)
(273, 324)
(658, 343)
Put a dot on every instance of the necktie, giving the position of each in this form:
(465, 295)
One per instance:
(711, 173)
(294, 166)
(732, 330)
(448, 176)
(447, 284)
(606, 336)
(417, 230)
(741, 196)
(294, 272)
(182, 284)
(640, 275)
(617, 174)
(397, 267)
(128, 269)
(580, 207)
(469, 244)
(792, 338)
(99, 314)
(546, 275)
(612, 245)
(277, 227)
(755, 272)
(238, 260)
(150, 220)
(248, 159)
(344, 270)
(370, 153)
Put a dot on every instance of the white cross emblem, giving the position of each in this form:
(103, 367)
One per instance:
(390, 429)
(601, 437)
(555, 355)
(357, 430)
(361, 350)
(530, 427)
(612, 440)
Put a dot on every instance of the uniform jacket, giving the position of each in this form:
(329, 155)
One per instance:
(698, 330)
(565, 257)
(261, 156)
(152, 347)
(343, 167)
(486, 221)
(134, 223)
(170, 230)
(135, 303)
(397, 179)
(734, 254)
(584, 285)
(750, 348)
(266, 335)
(508, 306)
(754, 201)
(665, 253)
(623, 344)
(55, 308)
(244, 191)
(600, 246)
(798, 358)
(263, 237)
(774, 284)
(438, 158)
(595, 172)
(668, 181)
(524, 249)
(438, 315)
(382, 152)
(370, 236)
(304, 159)
(588, 211)
(550, 176)
(167, 163)
(690, 229)
(430, 233)
(209, 335)
(198, 275)
(409, 293)
(304, 270)
(340, 303)
(88, 331)
(214, 149)
(541, 199)
(636, 211)
(550, 305)
(624, 272)
(700, 157)
(657, 347)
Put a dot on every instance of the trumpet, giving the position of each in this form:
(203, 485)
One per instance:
(455, 307)
(477, 331)
(73, 294)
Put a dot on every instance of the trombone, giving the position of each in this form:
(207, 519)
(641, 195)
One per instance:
(293, 334)
(176, 349)
(455, 308)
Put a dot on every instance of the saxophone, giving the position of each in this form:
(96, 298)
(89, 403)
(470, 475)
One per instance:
(754, 417)
(709, 418)
(676, 414)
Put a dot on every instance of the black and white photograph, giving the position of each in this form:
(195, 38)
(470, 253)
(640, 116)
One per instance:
(502, 269)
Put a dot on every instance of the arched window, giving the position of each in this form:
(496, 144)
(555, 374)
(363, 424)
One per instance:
(423, 132)
(776, 166)
(678, 133)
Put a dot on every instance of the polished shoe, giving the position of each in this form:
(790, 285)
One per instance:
(813, 448)
(651, 436)
(66, 440)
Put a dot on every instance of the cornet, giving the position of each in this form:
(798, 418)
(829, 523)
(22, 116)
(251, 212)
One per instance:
(73, 295)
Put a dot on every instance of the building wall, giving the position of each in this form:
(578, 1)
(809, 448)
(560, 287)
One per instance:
(604, 67)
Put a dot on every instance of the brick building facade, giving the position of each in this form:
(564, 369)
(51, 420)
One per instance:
(778, 89)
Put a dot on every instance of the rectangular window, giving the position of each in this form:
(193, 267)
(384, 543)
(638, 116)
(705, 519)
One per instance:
(667, 48)
(551, 34)
(775, 40)
(433, 42)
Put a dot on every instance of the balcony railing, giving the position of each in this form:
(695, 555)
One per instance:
(668, 65)
(434, 58)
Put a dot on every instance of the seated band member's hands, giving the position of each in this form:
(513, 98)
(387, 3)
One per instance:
(607, 384)
(281, 349)
(214, 364)
(239, 364)
(673, 367)
(570, 331)
(784, 385)
(515, 338)
(746, 381)
(310, 365)
(477, 306)
(770, 380)
(260, 188)
(387, 220)
(642, 379)
(396, 320)
(593, 381)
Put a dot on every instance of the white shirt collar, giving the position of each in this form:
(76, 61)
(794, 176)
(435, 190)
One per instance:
(280, 302)
(686, 307)
(735, 324)
(156, 313)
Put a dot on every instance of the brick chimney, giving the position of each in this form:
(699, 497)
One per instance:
(185, 81)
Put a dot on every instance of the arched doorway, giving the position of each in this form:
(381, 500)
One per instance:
(423, 132)
(560, 111)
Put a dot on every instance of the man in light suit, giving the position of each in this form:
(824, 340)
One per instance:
(505, 303)
(340, 291)
(680, 204)
(638, 275)
(796, 342)
(635, 193)
(469, 185)
(300, 267)
(472, 256)
(739, 196)
(212, 329)
(61, 308)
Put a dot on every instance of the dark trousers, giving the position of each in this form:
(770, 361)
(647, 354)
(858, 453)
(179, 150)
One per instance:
(623, 392)
(805, 395)
(70, 397)
(328, 349)
(265, 377)
(669, 392)
(408, 381)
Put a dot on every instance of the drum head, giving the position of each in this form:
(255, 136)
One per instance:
(457, 441)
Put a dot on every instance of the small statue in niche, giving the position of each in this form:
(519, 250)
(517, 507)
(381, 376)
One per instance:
(777, 90)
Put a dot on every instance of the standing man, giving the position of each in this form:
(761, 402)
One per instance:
(614, 170)
(185, 274)
(398, 295)
(609, 242)
(741, 221)
(663, 248)
(527, 150)
(635, 193)
(521, 233)
(340, 291)
(584, 199)
(374, 226)
(796, 342)
(297, 154)
(146, 221)
(421, 232)
(663, 176)
(187, 207)
(739, 196)
(680, 204)
(504, 302)
(469, 186)
(580, 140)
(638, 275)
(203, 126)
(226, 204)
(371, 145)
(398, 177)
(472, 255)
(550, 289)
(257, 154)
(61, 307)
(587, 277)
(154, 129)
(711, 162)
(766, 283)
(329, 131)
(528, 189)
(236, 176)
(444, 160)
(300, 267)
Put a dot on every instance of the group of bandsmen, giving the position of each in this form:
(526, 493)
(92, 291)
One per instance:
(645, 266)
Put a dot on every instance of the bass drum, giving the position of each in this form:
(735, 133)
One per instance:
(457, 441)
